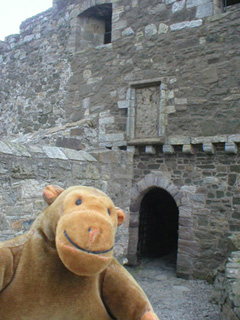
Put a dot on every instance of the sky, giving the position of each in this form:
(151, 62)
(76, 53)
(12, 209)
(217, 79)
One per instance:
(14, 12)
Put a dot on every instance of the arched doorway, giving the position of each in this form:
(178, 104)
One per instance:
(158, 225)
(187, 247)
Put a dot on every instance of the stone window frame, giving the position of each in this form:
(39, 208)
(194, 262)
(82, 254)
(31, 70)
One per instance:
(78, 10)
(131, 118)
(103, 14)
(185, 252)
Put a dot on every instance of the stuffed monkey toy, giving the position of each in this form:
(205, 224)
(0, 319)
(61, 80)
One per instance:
(63, 267)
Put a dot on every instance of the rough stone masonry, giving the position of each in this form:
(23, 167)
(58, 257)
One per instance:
(158, 81)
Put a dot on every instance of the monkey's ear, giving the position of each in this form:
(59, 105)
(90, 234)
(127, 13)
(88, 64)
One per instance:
(51, 192)
(120, 215)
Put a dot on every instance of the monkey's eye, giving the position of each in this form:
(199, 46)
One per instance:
(78, 202)
(109, 212)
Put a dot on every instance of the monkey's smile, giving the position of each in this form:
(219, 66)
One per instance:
(82, 249)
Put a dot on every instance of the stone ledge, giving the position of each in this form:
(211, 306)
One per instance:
(188, 143)
(150, 141)
(20, 150)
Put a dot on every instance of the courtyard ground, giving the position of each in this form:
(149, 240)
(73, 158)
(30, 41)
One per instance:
(174, 298)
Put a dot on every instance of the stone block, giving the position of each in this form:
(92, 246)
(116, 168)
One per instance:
(170, 109)
(185, 211)
(168, 149)
(234, 242)
(189, 248)
(120, 24)
(188, 149)
(234, 138)
(178, 5)
(128, 32)
(231, 148)
(205, 10)
(195, 3)
(111, 137)
(19, 149)
(29, 38)
(73, 154)
(186, 25)
(186, 233)
(87, 156)
(211, 180)
(123, 104)
(70, 143)
(162, 181)
(150, 31)
(150, 150)
(178, 140)
(208, 148)
(54, 153)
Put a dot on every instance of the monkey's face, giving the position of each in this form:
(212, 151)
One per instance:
(86, 230)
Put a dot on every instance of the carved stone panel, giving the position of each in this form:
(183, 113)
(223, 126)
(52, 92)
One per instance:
(147, 112)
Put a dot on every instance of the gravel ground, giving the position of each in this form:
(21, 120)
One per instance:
(173, 298)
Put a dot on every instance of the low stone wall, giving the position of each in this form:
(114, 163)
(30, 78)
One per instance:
(229, 304)
(26, 170)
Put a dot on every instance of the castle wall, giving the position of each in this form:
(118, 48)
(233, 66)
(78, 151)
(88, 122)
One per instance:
(47, 80)
(26, 171)
(34, 69)
(208, 188)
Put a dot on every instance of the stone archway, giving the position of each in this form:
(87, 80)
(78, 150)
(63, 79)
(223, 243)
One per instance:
(187, 246)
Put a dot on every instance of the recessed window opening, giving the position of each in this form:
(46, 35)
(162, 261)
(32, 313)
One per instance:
(96, 24)
(108, 29)
(227, 3)
(158, 228)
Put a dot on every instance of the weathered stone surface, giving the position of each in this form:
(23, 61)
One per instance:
(147, 123)
(25, 177)
(204, 10)
(150, 31)
(229, 288)
(61, 85)
(186, 25)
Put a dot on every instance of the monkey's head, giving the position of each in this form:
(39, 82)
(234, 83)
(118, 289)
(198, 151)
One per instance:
(84, 221)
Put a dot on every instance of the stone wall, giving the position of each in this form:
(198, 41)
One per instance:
(206, 190)
(229, 302)
(166, 87)
(184, 45)
(35, 69)
(26, 170)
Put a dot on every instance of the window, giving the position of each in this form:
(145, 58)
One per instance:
(227, 3)
(96, 26)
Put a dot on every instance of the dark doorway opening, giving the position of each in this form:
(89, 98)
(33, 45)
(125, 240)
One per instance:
(158, 227)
